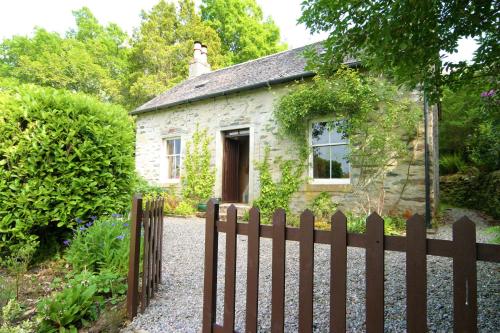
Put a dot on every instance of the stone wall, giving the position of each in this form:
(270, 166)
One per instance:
(404, 185)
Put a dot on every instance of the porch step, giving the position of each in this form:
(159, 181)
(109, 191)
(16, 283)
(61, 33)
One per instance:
(241, 208)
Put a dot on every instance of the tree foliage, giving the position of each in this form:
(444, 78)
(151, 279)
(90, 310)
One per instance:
(163, 47)
(244, 32)
(90, 59)
(407, 38)
(63, 156)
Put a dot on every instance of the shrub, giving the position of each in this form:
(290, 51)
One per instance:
(185, 208)
(69, 309)
(62, 155)
(323, 207)
(199, 178)
(108, 284)
(451, 163)
(100, 245)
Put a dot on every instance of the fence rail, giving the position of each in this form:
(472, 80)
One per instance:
(146, 217)
(463, 249)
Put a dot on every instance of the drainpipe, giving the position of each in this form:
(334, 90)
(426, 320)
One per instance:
(426, 164)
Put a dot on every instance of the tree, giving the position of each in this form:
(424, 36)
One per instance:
(244, 33)
(90, 59)
(163, 47)
(407, 38)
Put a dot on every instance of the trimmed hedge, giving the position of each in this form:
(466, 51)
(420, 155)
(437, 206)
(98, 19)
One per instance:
(63, 156)
(481, 192)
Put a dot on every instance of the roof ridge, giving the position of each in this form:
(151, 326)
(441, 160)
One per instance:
(253, 60)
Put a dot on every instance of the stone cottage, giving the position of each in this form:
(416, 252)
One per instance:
(235, 104)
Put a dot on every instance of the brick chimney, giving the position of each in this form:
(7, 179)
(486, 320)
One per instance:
(199, 65)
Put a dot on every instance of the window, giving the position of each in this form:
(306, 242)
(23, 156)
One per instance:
(173, 150)
(329, 153)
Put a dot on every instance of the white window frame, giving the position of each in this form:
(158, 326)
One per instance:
(324, 181)
(165, 164)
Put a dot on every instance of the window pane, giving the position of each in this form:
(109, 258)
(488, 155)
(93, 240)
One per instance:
(177, 166)
(170, 147)
(339, 163)
(170, 167)
(336, 134)
(319, 133)
(177, 146)
(321, 162)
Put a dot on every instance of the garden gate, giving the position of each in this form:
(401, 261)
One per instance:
(148, 216)
(463, 249)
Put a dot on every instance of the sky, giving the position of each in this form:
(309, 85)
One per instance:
(19, 17)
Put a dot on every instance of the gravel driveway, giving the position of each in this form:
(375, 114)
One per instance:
(177, 306)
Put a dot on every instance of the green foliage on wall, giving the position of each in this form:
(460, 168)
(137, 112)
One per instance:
(62, 156)
(277, 193)
(198, 179)
(378, 119)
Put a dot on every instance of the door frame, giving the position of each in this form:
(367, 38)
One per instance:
(219, 154)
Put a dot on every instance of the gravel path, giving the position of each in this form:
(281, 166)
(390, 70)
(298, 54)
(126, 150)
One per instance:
(178, 304)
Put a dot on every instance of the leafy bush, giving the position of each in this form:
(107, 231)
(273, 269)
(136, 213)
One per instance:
(323, 207)
(451, 163)
(62, 155)
(477, 191)
(142, 186)
(171, 203)
(277, 194)
(11, 311)
(199, 177)
(185, 208)
(108, 284)
(100, 245)
(17, 262)
(69, 309)
(495, 231)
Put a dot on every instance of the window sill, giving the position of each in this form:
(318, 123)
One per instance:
(327, 187)
(338, 181)
(170, 182)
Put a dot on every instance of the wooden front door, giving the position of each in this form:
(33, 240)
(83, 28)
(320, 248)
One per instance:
(230, 177)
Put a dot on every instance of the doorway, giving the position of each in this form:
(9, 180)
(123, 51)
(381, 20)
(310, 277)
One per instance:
(235, 166)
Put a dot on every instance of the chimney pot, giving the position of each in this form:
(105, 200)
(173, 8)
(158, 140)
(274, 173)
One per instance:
(199, 65)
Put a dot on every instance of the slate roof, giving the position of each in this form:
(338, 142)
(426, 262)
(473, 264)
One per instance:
(273, 69)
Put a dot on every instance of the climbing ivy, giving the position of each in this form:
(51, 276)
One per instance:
(277, 193)
(378, 118)
(199, 176)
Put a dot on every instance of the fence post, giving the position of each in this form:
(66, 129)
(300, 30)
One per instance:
(278, 272)
(230, 274)
(210, 278)
(464, 276)
(253, 270)
(134, 257)
(145, 260)
(306, 274)
(338, 273)
(374, 274)
(416, 275)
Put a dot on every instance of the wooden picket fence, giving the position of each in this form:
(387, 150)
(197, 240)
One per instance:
(463, 249)
(148, 217)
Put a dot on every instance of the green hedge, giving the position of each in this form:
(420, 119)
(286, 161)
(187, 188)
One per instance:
(481, 192)
(63, 156)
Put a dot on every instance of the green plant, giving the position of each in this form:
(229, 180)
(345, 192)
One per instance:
(69, 309)
(449, 164)
(323, 207)
(26, 326)
(171, 203)
(495, 231)
(108, 284)
(62, 155)
(185, 208)
(11, 311)
(100, 245)
(7, 289)
(277, 194)
(142, 186)
(17, 263)
(199, 176)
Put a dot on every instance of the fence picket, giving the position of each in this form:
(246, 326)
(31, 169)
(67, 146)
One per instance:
(374, 274)
(134, 258)
(338, 273)
(306, 274)
(253, 270)
(230, 274)
(416, 275)
(464, 276)
(145, 260)
(210, 277)
(278, 272)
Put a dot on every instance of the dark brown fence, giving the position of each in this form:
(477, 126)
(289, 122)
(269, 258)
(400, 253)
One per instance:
(463, 249)
(148, 217)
